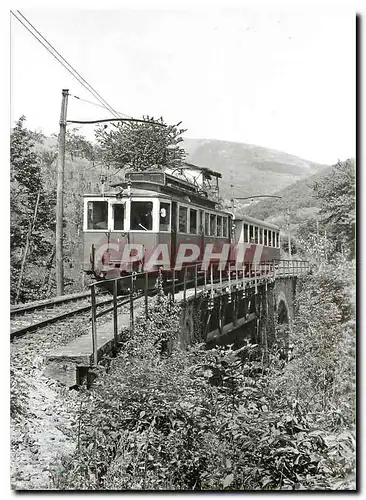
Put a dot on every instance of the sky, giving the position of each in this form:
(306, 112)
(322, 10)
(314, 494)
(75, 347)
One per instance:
(280, 77)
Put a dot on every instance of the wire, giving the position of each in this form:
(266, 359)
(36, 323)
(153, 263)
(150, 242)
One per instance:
(98, 105)
(60, 59)
(117, 120)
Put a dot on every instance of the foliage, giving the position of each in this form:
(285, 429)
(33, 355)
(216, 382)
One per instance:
(32, 212)
(285, 245)
(19, 390)
(323, 336)
(294, 199)
(78, 146)
(336, 193)
(314, 242)
(139, 146)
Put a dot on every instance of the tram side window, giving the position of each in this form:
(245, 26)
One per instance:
(97, 215)
(261, 236)
(246, 233)
(118, 216)
(265, 237)
(183, 219)
(212, 224)
(251, 234)
(278, 240)
(164, 216)
(207, 224)
(269, 238)
(141, 216)
(193, 221)
(274, 238)
(256, 240)
(219, 226)
(224, 227)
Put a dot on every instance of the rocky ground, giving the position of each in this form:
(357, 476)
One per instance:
(43, 412)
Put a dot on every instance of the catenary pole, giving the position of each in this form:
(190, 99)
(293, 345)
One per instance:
(289, 234)
(60, 196)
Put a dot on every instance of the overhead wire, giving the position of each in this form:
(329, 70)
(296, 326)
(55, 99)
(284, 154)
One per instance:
(64, 63)
(98, 105)
(93, 91)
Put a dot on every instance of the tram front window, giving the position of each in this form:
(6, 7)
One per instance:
(97, 214)
(141, 216)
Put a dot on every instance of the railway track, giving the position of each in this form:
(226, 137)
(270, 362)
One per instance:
(31, 317)
(19, 309)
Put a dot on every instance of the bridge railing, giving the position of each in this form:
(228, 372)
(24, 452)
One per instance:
(291, 267)
(197, 276)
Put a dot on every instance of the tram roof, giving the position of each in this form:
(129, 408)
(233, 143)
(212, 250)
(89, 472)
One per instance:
(258, 222)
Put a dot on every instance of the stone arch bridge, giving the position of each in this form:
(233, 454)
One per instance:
(228, 312)
(250, 310)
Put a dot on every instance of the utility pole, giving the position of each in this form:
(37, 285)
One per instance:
(289, 234)
(60, 196)
(232, 202)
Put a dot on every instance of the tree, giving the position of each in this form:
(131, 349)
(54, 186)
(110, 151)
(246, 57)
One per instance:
(336, 193)
(78, 146)
(139, 146)
(32, 212)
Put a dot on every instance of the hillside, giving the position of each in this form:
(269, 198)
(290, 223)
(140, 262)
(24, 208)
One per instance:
(251, 169)
(297, 199)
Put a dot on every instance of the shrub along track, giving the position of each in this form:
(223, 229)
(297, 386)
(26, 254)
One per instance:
(43, 412)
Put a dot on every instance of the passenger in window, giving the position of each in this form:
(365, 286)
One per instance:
(141, 215)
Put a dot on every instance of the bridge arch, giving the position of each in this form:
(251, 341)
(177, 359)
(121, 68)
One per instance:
(283, 315)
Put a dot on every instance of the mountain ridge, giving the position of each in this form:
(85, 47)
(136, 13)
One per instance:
(248, 169)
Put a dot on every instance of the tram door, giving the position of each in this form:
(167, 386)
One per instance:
(173, 234)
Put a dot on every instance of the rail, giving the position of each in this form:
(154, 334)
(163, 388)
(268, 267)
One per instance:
(198, 275)
(22, 323)
(41, 304)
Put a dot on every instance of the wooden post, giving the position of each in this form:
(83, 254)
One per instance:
(195, 280)
(60, 196)
(94, 326)
(146, 295)
(220, 314)
(185, 284)
(93, 257)
(229, 296)
(131, 304)
(255, 277)
(235, 308)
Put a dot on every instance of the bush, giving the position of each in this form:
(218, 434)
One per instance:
(219, 419)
